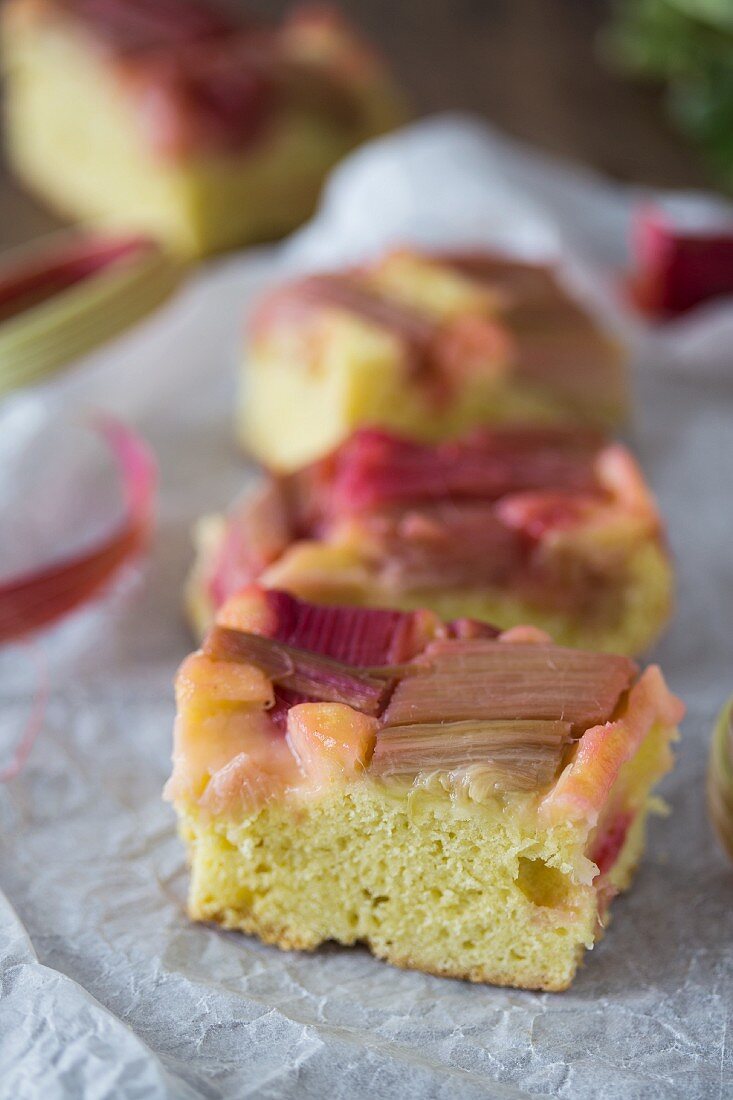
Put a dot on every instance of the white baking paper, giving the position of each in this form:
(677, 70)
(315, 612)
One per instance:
(107, 990)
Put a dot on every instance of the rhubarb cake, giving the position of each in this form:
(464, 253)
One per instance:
(464, 802)
(428, 345)
(180, 119)
(551, 526)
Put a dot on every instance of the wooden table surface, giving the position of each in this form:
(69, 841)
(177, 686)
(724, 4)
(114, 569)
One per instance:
(530, 66)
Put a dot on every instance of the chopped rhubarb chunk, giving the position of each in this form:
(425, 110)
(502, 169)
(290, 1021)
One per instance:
(257, 532)
(518, 280)
(354, 635)
(441, 350)
(524, 755)
(375, 468)
(307, 673)
(445, 544)
(330, 741)
(583, 788)
(536, 514)
(679, 268)
(220, 93)
(488, 680)
(201, 677)
(472, 628)
(467, 345)
(300, 298)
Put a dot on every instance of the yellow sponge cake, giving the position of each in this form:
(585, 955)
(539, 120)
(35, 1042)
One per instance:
(429, 346)
(464, 802)
(176, 118)
(551, 526)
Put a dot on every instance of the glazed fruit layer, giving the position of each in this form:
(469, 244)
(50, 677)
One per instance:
(546, 525)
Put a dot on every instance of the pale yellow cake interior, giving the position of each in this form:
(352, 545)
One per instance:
(487, 892)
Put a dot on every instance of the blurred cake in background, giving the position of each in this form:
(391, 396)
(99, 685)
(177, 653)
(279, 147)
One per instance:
(176, 118)
(549, 526)
(426, 345)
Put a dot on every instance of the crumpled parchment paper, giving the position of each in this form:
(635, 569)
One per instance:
(106, 989)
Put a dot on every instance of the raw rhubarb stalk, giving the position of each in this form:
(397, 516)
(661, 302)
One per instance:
(678, 268)
(60, 298)
(484, 679)
(523, 755)
(38, 598)
(445, 544)
(304, 673)
(38, 277)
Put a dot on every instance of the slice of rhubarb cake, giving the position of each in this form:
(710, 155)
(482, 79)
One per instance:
(551, 526)
(428, 346)
(181, 119)
(462, 801)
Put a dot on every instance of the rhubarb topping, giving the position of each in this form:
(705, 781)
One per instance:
(456, 705)
(355, 635)
(203, 79)
(483, 679)
(305, 673)
(584, 786)
(374, 468)
(257, 531)
(330, 741)
(556, 341)
(522, 755)
(217, 681)
(35, 599)
(429, 348)
(481, 511)
(299, 299)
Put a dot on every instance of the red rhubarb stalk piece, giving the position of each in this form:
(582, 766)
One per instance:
(257, 532)
(678, 268)
(301, 297)
(305, 673)
(375, 468)
(38, 598)
(364, 637)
